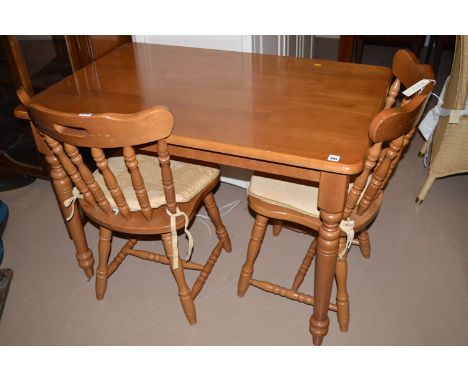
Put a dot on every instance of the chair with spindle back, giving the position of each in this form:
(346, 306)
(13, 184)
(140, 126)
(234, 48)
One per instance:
(407, 71)
(133, 193)
(293, 202)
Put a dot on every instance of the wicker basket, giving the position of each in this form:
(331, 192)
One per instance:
(450, 143)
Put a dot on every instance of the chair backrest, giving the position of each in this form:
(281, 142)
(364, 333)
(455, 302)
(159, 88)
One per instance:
(390, 131)
(407, 70)
(65, 133)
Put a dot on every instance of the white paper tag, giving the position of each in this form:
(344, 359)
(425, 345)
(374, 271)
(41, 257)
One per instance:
(416, 87)
(334, 158)
(429, 122)
(454, 116)
(85, 114)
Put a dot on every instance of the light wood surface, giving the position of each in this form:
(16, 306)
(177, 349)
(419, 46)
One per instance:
(389, 131)
(279, 115)
(64, 135)
(250, 99)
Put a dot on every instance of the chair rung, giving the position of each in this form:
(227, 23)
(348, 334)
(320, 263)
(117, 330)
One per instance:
(145, 255)
(191, 265)
(286, 292)
(207, 268)
(120, 257)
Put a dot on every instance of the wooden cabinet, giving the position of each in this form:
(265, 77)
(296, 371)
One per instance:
(351, 47)
(35, 63)
(83, 50)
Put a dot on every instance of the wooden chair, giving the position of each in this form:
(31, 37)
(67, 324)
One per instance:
(407, 71)
(281, 200)
(132, 193)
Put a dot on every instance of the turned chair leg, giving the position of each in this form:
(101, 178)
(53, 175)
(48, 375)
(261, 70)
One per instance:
(425, 189)
(342, 298)
(184, 292)
(424, 148)
(215, 217)
(62, 187)
(364, 244)
(84, 256)
(104, 246)
(258, 232)
(306, 262)
(277, 227)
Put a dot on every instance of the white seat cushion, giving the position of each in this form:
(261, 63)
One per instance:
(297, 197)
(189, 180)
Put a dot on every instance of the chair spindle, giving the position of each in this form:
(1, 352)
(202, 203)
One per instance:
(137, 182)
(111, 182)
(88, 178)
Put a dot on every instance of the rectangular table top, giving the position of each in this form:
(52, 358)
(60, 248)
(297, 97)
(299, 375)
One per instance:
(280, 109)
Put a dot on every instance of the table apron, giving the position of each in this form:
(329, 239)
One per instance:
(241, 162)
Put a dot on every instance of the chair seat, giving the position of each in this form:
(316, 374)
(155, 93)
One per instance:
(295, 196)
(189, 179)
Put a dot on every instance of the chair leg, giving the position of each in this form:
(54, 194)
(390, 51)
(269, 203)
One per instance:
(425, 189)
(84, 256)
(277, 227)
(184, 292)
(342, 298)
(424, 148)
(258, 232)
(215, 217)
(364, 244)
(62, 187)
(306, 262)
(205, 272)
(104, 246)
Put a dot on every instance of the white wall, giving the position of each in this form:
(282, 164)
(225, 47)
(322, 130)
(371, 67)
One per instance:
(236, 43)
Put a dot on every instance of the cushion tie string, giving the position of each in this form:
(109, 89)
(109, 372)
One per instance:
(175, 250)
(347, 226)
(71, 202)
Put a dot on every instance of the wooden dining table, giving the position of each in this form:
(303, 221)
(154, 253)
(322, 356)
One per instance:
(301, 118)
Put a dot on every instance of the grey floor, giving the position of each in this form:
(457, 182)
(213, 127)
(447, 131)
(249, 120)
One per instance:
(412, 291)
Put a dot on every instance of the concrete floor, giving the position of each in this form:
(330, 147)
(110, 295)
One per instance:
(412, 291)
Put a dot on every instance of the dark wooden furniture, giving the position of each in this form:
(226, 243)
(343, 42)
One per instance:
(439, 44)
(129, 193)
(282, 200)
(351, 47)
(71, 54)
(20, 78)
(279, 115)
(83, 50)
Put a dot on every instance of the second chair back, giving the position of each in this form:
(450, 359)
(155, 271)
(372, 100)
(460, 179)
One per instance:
(390, 132)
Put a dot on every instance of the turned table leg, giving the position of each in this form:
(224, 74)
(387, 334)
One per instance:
(331, 199)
